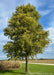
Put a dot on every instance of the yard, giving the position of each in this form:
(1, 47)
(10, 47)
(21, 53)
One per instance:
(34, 69)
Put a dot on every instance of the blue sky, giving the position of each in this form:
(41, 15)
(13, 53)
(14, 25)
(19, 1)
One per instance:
(45, 8)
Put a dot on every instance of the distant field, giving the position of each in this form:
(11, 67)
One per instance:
(34, 69)
(42, 61)
(38, 61)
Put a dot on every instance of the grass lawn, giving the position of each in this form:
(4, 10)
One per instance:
(34, 69)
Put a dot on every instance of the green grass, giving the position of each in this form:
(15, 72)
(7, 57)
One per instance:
(34, 69)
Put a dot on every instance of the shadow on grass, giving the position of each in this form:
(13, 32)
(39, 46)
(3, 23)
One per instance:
(12, 71)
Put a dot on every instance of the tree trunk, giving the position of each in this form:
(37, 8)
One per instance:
(27, 64)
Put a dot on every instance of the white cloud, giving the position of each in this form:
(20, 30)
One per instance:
(6, 11)
(51, 33)
(50, 49)
(3, 23)
(51, 20)
(3, 56)
(9, 4)
(3, 39)
(51, 37)
(45, 12)
(51, 6)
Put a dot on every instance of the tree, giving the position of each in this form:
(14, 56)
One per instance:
(26, 33)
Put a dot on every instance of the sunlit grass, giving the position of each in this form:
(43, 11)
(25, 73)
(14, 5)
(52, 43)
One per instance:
(34, 69)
